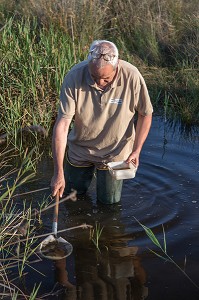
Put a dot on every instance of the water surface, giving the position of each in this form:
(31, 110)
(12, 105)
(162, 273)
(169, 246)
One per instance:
(164, 192)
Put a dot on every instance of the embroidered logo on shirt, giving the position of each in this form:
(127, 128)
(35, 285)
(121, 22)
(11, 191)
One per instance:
(115, 101)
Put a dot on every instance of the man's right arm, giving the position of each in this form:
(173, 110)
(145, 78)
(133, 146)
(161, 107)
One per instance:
(59, 141)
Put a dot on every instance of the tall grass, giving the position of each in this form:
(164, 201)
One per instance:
(14, 223)
(41, 40)
(32, 68)
(163, 39)
(160, 32)
(19, 225)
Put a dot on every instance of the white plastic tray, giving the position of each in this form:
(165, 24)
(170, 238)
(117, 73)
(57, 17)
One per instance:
(121, 170)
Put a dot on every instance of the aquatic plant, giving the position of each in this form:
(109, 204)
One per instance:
(96, 234)
(14, 223)
(20, 224)
(15, 176)
(19, 249)
(165, 256)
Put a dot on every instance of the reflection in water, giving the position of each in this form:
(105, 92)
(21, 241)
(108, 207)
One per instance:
(113, 276)
(189, 133)
(61, 276)
(164, 191)
(115, 273)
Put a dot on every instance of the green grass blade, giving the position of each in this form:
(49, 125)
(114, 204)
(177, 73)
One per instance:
(150, 234)
(165, 244)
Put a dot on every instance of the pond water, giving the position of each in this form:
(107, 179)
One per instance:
(164, 191)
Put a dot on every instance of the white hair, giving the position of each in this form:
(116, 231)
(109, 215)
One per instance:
(104, 47)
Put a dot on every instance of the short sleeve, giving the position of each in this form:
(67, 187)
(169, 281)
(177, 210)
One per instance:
(67, 100)
(144, 106)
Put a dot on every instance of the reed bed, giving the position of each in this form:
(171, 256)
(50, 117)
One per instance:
(31, 74)
(21, 227)
(14, 222)
(41, 40)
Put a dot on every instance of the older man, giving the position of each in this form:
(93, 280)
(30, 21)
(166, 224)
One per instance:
(102, 94)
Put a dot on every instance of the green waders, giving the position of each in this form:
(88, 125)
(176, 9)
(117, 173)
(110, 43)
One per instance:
(79, 178)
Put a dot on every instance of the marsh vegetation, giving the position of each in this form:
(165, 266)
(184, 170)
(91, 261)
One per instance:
(40, 41)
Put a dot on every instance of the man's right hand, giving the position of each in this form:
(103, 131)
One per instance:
(58, 185)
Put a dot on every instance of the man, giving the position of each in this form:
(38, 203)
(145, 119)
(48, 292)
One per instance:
(102, 94)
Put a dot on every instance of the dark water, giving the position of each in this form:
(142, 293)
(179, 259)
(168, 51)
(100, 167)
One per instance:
(164, 191)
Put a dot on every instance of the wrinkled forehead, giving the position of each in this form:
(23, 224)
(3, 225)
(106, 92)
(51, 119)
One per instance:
(99, 70)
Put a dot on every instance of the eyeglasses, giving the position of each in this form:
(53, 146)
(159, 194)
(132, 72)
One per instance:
(106, 56)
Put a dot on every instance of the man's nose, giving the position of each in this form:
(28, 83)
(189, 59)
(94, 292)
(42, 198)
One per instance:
(100, 82)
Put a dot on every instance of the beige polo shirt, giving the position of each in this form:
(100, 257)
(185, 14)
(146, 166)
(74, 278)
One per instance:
(103, 128)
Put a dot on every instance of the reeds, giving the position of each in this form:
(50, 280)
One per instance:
(163, 40)
(41, 40)
(33, 65)
(96, 234)
(162, 253)
(14, 223)
(20, 224)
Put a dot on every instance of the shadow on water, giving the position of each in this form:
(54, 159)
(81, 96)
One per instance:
(164, 191)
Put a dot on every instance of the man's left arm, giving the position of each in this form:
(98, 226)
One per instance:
(141, 133)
